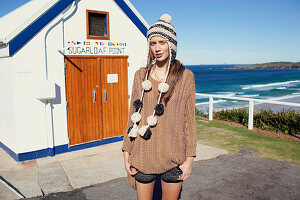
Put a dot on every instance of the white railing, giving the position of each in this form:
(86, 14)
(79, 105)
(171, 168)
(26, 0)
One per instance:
(251, 105)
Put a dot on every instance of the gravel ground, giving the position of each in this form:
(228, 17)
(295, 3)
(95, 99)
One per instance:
(227, 177)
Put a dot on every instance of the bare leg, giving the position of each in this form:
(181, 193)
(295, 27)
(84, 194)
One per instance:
(144, 191)
(170, 191)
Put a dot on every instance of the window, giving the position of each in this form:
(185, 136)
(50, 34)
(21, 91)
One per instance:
(97, 25)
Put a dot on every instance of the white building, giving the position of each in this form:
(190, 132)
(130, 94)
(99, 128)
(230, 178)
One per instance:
(66, 73)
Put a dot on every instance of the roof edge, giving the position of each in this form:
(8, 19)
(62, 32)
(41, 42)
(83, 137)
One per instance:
(18, 38)
(23, 37)
(133, 15)
(28, 22)
(136, 12)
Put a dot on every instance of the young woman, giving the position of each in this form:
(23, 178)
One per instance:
(161, 129)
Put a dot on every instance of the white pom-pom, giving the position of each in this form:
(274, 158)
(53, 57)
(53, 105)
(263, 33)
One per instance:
(146, 85)
(136, 117)
(151, 120)
(166, 18)
(133, 132)
(163, 87)
(143, 130)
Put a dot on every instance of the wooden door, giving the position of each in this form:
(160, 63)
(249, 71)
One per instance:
(83, 100)
(115, 84)
(90, 116)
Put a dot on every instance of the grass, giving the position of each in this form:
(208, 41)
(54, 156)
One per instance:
(286, 121)
(231, 138)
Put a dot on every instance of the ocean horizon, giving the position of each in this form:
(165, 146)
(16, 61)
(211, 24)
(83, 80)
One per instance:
(272, 84)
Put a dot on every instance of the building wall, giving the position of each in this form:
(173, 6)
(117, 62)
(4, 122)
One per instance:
(29, 127)
(7, 111)
(28, 68)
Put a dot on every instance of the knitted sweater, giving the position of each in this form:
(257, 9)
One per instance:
(174, 137)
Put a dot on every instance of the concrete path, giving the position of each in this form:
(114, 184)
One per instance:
(69, 171)
(228, 177)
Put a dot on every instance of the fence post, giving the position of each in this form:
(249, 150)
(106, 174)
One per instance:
(211, 108)
(250, 119)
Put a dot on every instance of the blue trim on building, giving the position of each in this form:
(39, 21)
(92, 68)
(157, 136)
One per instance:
(9, 151)
(95, 143)
(56, 150)
(33, 155)
(61, 149)
(132, 16)
(21, 39)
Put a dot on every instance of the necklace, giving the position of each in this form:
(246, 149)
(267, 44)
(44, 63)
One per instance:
(145, 131)
(156, 76)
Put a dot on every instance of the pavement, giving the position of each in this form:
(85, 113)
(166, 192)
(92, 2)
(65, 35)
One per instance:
(240, 176)
(71, 171)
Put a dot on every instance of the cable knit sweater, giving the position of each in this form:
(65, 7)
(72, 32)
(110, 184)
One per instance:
(174, 137)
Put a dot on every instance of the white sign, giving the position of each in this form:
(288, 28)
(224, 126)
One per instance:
(95, 48)
(112, 78)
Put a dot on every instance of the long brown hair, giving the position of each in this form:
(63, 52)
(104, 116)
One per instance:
(175, 74)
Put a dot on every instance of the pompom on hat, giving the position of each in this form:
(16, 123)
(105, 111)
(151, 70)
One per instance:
(165, 29)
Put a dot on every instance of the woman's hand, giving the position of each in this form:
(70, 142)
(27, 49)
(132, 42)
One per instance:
(186, 168)
(131, 170)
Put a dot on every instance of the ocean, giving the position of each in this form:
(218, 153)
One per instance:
(275, 84)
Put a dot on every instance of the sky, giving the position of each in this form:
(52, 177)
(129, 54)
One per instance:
(224, 31)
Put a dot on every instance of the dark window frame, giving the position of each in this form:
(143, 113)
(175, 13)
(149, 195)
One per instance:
(107, 37)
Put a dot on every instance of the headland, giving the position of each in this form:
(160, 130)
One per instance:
(270, 65)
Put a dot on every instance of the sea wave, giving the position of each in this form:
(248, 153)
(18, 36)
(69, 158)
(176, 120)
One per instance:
(240, 93)
(281, 88)
(249, 95)
(229, 94)
(285, 97)
(204, 103)
(201, 97)
(269, 85)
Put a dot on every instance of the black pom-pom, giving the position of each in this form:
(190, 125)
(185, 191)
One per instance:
(159, 109)
(129, 129)
(147, 134)
(137, 104)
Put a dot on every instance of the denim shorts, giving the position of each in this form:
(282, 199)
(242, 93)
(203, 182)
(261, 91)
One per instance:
(170, 176)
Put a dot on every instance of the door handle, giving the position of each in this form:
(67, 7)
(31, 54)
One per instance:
(94, 96)
(104, 95)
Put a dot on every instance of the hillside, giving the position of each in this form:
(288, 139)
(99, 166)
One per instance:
(271, 65)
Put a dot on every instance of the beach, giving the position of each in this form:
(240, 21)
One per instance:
(277, 108)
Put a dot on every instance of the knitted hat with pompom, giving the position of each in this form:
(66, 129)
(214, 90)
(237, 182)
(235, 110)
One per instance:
(165, 29)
